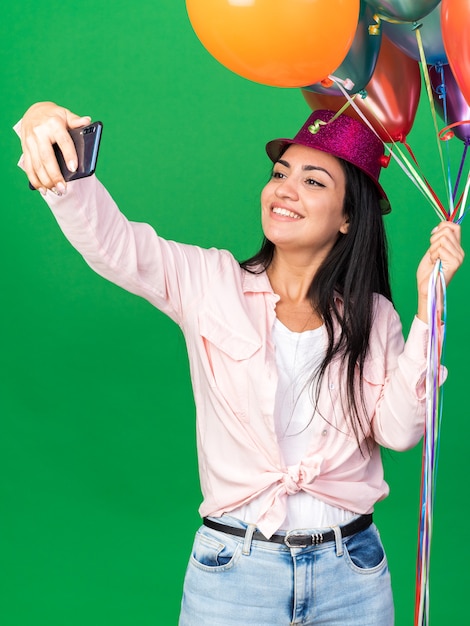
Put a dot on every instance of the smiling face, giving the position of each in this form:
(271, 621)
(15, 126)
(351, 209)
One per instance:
(302, 204)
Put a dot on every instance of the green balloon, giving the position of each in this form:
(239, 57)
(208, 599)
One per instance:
(403, 10)
(359, 64)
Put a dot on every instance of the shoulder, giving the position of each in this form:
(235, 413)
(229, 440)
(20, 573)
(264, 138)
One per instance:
(383, 310)
(386, 330)
(216, 266)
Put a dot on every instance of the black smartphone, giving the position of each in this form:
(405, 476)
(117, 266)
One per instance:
(87, 143)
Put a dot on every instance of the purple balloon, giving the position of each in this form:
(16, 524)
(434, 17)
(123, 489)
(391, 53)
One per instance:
(445, 86)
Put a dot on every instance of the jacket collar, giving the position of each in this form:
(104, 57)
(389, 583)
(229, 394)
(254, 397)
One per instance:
(259, 283)
(256, 283)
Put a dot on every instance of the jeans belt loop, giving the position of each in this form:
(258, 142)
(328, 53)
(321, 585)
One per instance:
(338, 540)
(248, 539)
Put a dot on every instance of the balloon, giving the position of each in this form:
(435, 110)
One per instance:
(282, 43)
(456, 106)
(404, 37)
(359, 64)
(392, 94)
(455, 20)
(406, 10)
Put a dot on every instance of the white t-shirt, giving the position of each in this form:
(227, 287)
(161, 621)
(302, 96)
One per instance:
(297, 357)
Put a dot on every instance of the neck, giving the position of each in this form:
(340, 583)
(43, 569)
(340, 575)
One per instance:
(291, 280)
(291, 276)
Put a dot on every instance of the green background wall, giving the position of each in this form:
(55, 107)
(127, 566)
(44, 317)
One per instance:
(98, 476)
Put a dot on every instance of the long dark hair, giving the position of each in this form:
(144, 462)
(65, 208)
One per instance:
(356, 268)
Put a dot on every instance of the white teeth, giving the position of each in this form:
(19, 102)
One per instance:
(285, 212)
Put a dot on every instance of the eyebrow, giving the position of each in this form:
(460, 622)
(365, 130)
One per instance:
(307, 168)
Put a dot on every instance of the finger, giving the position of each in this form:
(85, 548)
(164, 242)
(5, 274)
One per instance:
(66, 144)
(450, 255)
(447, 237)
(44, 163)
(67, 147)
(75, 121)
(448, 240)
(33, 179)
(446, 228)
(445, 249)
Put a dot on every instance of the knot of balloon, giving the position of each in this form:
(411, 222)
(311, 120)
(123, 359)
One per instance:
(446, 136)
(441, 91)
(327, 82)
(384, 160)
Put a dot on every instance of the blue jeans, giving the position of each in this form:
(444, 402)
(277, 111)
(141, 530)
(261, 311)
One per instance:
(231, 581)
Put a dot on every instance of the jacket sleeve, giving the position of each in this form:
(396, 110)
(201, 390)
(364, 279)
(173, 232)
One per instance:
(172, 276)
(398, 421)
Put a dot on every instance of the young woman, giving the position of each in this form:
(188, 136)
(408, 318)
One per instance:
(299, 368)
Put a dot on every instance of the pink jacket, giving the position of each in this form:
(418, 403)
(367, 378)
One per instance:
(226, 315)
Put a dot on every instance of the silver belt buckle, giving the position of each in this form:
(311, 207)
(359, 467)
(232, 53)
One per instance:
(315, 540)
(295, 545)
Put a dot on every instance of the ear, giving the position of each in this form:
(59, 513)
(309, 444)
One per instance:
(344, 226)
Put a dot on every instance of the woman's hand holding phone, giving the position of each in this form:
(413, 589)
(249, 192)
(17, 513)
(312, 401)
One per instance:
(43, 125)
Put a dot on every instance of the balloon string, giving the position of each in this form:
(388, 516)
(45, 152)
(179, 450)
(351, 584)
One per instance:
(437, 316)
(443, 94)
(403, 162)
(463, 201)
(317, 124)
(427, 82)
(435, 196)
(378, 17)
(346, 82)
(460, 207)
(437, 323)
(462, 162)
(446, 134)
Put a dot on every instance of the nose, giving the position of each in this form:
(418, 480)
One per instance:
(287, 188)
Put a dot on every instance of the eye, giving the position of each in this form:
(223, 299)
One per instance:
(313, 182)
(277, 174)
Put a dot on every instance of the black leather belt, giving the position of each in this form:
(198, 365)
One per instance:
(296, 539)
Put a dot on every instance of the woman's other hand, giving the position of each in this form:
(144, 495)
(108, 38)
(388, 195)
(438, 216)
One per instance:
(444, 247)
(43, 125)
